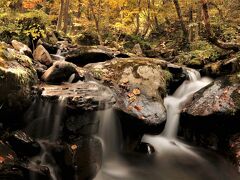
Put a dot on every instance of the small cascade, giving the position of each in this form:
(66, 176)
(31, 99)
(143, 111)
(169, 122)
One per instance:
(176, 102)
(45, 126)
(109, 131)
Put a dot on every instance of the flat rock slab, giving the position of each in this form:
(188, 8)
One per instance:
(79, 96)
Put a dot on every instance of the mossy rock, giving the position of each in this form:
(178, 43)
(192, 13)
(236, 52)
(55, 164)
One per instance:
(17, 75)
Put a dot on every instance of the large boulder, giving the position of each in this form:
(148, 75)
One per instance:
(139, 85)
(61, 71)
(17, 76)
(212, 117)
(221, 98)
(41, 54)
(82, 55)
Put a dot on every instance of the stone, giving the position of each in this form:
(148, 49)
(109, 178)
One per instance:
(126, 75)
(219, 98)
(85, 156)
(82, 55)
(59, 72)
(22, 48)
(41, 54)
(17, 76)
(80, 96)
(137, 50)
(23, 144)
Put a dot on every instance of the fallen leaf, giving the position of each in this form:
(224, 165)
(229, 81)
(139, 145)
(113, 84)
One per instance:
(130, 95)
(136, 91)
(2, 159)
(139, 108)
(74, 147)
(132, 99)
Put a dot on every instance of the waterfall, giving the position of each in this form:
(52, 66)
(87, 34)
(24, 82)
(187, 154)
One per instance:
(176, 102)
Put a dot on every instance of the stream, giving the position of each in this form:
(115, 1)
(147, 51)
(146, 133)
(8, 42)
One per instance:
(173, 158)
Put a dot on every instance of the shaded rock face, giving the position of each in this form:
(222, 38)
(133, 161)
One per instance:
(17, 75)
(213, 115)
(83, 55)
(61, 71)
(41, 54)
(83, 158)
(13, 168)
(23, 144)
(80, 96)
(139, 85)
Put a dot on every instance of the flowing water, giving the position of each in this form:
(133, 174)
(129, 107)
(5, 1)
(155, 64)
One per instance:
(44, 124)
(173, 160)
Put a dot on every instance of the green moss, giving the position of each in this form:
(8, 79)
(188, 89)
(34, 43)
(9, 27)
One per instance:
(168, 76)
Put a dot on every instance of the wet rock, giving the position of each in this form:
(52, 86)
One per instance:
(139, 85)
(51, 48)
(8, 169)
(81, 96)
(34, 171)
(41, 54)
(82, 55)
(17, 75)
(84, 158)
(179, 75)
(23, 144)
(213, 114)
(40, 68)
(61, 71)
(84, 123)
(219, 98)
(22, 48)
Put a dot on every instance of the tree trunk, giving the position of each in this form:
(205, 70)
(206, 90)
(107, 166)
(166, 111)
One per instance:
(191, 35)
(138, 17)
(60, 16)
(211, 38)
(79, 8)
(148, 23)
(66, 16)
(96, 19)
(180, 17)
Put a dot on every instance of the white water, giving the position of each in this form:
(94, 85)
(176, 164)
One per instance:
(179, 99)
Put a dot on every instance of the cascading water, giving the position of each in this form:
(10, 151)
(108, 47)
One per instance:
(173, 159)
(181, 96)
(45, 123)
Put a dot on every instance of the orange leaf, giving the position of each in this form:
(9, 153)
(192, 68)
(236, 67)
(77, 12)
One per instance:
(136, 91)
(138, 108)
(2, 159)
